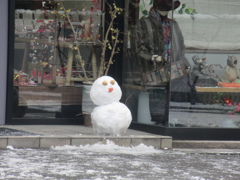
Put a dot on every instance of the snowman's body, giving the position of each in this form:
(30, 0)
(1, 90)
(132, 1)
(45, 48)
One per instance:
(110, 117)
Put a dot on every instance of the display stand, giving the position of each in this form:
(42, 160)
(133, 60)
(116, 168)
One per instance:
(143, 108)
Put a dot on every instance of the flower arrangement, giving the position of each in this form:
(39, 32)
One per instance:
(227, 101)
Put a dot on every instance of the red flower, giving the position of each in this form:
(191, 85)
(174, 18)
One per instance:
(228, 101)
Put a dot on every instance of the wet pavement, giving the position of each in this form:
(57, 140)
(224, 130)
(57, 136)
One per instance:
(107, 160)
(110, 161)
(14, 132)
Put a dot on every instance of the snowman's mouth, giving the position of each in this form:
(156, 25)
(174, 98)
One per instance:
(110, 89)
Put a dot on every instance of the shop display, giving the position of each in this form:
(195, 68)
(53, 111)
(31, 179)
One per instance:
(201, 73)
(231, 71)
(50, 38)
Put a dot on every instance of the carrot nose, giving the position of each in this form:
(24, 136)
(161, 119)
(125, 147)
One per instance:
(110, 89)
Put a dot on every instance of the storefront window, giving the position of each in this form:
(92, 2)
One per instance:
(212, 46)
(182, 68)
(146, 76)
(55, 50)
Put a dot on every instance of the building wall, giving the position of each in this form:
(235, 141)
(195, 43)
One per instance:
(3, 57)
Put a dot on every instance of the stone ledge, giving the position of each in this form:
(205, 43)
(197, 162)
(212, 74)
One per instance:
(47, 142)
(23, 142)
(210, 151)
(206, 144)
(158, 142)
(3, 142)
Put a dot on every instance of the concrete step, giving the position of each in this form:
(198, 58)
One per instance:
(158, 142)
(185, 144)
(210, 151)
(46, 136)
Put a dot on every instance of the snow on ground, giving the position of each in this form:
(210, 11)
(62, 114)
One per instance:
(110, 161)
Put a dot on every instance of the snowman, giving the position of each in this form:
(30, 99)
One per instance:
(110, 117)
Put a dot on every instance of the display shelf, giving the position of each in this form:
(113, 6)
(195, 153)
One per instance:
(45, 96)
(218, 89)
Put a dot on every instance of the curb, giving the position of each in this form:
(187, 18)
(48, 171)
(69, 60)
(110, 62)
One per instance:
(210, 151)
(158, 142)
(206, 144)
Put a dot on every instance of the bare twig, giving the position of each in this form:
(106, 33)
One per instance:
(105, 43)
(76, 43)
(112, 53)
(113, 10)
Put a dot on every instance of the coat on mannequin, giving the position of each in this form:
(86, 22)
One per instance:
(159, 38)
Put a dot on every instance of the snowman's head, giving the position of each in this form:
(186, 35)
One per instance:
(105, 90)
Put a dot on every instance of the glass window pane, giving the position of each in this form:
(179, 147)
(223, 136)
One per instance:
(210, 97)
(55, 50)
(147, 66)
(188, 57)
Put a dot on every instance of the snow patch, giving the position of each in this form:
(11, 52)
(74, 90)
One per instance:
(111, 147)
(10, 147)
(90, 171)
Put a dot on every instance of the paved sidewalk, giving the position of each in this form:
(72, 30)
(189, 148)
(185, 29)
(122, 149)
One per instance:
(65, 130)
(45, 136)
(112, 162)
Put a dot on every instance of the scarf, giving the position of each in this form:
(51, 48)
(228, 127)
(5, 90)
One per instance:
(164, 21)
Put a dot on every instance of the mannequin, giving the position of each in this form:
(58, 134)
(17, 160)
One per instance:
(163, 13)
(156, 57)
(159, 39)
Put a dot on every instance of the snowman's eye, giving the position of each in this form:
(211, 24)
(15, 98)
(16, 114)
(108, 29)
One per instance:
(105, 83)
(112, 82)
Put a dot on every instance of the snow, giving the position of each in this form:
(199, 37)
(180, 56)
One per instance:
(110, 161)
(111, 147)
(10, 147)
